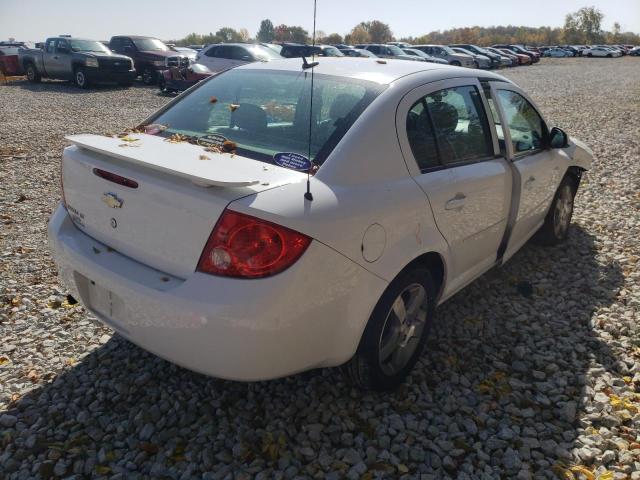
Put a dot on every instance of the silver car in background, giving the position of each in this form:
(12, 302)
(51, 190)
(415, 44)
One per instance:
(481, 61)
(446, 53)
(421, 54)
(222, 56)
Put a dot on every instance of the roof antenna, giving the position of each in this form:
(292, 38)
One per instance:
(305, 66)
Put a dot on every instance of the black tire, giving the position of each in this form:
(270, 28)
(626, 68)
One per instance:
(609, 55)
(556, 224)
(455, 63)
(162, 84)
(589, 54)
(80, 78)
(149, 76)
(32, 73)
(368, 368)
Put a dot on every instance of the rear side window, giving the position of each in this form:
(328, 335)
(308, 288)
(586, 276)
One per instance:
(453, 123)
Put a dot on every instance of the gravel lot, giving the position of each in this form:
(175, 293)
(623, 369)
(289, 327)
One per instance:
(533, 371)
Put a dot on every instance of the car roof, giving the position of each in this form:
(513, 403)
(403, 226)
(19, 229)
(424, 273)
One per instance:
(134, 36)
(378, 70)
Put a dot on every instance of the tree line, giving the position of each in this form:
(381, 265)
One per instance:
(581, 27)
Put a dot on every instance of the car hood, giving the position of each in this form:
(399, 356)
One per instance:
(106, 55)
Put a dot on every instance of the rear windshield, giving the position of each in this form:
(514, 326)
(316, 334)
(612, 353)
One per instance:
(266, 112)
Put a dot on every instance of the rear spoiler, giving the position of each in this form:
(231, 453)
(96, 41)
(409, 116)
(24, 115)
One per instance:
(188, 161)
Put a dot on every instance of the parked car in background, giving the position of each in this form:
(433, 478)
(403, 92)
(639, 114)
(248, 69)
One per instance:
(556, 53)
(190, 53)
(421, 54)
(401, 45)
(298, 50)
(634, 52)
(446, 53)
(534, 56)
(495, 60)
(480, 61)
(243, 266)
(150, 55)
(601, 52)
(221, 56)
(357, 52)
(178, 79)
(520, 57)
(80, 60)
(197, 48)
(506, 59)
(9, 63)
(388, 51)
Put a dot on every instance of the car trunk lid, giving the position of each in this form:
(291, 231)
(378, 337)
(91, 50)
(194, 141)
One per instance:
(181, 191)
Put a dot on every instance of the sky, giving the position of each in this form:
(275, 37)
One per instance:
(34, 20)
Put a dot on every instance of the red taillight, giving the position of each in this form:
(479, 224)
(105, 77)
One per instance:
(248, 247)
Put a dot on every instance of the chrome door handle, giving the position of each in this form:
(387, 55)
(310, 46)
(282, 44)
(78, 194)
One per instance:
(456, 202)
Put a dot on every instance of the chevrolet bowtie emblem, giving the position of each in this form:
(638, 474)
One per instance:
(112, 200)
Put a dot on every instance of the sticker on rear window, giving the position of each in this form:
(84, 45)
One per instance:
(295, 161)
(212, 140)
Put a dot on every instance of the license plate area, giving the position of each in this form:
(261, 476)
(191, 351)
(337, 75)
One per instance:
(104, 301)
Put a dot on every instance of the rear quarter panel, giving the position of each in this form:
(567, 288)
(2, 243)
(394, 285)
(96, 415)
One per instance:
(364, 181)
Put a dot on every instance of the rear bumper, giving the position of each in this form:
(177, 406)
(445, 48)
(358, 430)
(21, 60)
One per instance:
(311, 315)
(98, 75)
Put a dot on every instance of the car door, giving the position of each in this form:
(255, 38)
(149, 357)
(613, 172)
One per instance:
(59, 64)
(537, 168)
(453, 155)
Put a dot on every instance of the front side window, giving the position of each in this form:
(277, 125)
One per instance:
(526, 127)
(265, 112)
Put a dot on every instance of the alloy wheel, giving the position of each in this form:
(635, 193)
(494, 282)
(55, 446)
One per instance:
(403, 329)
(563, 211)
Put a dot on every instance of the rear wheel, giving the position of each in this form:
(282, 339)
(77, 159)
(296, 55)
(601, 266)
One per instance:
(396, 332)
(608, 55)
(32, 73)
(80, 78)
(589, 54)
(558, 219)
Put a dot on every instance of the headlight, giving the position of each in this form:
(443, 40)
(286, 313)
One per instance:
(158, 63)
(91, 62)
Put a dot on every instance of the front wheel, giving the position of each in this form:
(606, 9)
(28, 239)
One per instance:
(32, 74)
(80, 78)
(555, 228)
(395, 334)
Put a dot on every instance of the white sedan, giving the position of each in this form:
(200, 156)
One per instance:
(601, 52)
(232, 240)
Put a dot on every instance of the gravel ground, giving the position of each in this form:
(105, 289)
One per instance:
(533, 371)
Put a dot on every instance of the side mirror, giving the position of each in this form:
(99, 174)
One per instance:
(246, 58)
(522, 146)
(558, 138)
